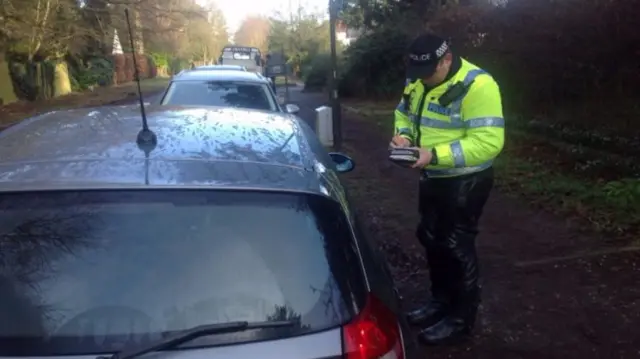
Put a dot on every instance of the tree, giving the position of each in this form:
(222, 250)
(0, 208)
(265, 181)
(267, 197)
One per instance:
(207, 36)
(302, 37)
(43, 28)
(254, 32)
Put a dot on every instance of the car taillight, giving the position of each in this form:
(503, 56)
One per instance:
(374, 333)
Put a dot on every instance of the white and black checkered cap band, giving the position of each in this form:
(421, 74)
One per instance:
(430, 57)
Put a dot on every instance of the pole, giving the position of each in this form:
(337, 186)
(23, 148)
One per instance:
(286, 83)
(336, 111)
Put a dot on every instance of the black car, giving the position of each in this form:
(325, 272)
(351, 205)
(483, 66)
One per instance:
(232, 238)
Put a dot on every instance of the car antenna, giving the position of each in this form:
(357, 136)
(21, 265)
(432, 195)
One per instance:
(147, 139)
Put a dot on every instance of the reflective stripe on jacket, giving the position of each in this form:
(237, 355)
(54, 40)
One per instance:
(467, 134)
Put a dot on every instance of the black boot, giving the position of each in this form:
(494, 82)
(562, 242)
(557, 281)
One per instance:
(428, 315)
(439, 304)
(450, 330)
(458, 325)
(465, 293)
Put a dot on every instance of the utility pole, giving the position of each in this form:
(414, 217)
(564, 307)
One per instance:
(336, 111)
(286, 78)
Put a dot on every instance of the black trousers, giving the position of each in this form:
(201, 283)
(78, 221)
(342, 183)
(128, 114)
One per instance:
(449, 210)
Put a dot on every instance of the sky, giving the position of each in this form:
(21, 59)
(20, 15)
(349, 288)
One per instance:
(236, 10)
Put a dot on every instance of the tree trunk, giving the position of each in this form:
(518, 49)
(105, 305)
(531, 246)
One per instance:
(61, 82)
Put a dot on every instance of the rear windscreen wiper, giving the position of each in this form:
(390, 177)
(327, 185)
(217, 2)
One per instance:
(181, 337)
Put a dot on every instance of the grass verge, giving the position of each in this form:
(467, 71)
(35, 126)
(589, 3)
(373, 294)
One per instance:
(552, 174)
(15, 112)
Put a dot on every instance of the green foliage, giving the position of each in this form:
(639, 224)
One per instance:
(161, 59)
(609, 206)
(153, 68)
(23, 84)
(316, 75)
(625, 192)
(97, 72)
(32, 80)
(101, 70)
(374, 64)
(178, 65)
(35, 32)
(302, 39)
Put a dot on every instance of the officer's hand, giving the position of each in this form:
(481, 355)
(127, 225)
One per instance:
(399, 142)
(425, 158)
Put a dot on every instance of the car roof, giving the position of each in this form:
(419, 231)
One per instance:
(221, 67)
(212, 147)
(217, 75)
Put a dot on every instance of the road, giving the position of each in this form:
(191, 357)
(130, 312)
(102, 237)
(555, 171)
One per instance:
(308, 102)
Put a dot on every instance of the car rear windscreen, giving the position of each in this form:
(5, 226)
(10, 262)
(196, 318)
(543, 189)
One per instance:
(255, 96)
(97, 271)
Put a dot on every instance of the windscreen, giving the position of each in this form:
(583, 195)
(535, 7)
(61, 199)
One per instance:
(91, 272)
(240, 53)
(254, 96)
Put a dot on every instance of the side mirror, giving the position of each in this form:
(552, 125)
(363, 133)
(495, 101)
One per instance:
(343, 162)
(291, 108)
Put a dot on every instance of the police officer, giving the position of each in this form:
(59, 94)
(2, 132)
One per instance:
(451, 113)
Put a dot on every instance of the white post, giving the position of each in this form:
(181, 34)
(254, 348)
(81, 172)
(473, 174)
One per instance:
(324, 125)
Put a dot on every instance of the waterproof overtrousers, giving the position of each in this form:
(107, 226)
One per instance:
(450, 209)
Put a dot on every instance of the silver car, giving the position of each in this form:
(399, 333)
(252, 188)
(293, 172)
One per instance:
(228, 235)
(229, 88)
(220, 68)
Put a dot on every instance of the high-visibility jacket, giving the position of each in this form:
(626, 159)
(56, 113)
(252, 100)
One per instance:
(467, 134)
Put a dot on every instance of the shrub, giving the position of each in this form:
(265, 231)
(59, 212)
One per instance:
(160, 60)
(153, 70)
(98, 72)
(178, 65)
(23, 82)
(102, 71)
(316, 75)
(162, 63)
(374, 64)
(572, 61)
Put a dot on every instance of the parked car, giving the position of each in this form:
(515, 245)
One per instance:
(220, 67)
(230, 237)
(234, 67)
(227, 88)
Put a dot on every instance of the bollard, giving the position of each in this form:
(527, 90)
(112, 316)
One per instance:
(324, 125)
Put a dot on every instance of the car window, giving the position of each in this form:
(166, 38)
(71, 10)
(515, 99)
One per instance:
(85, 272)
(225, 94)
(241, 56)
